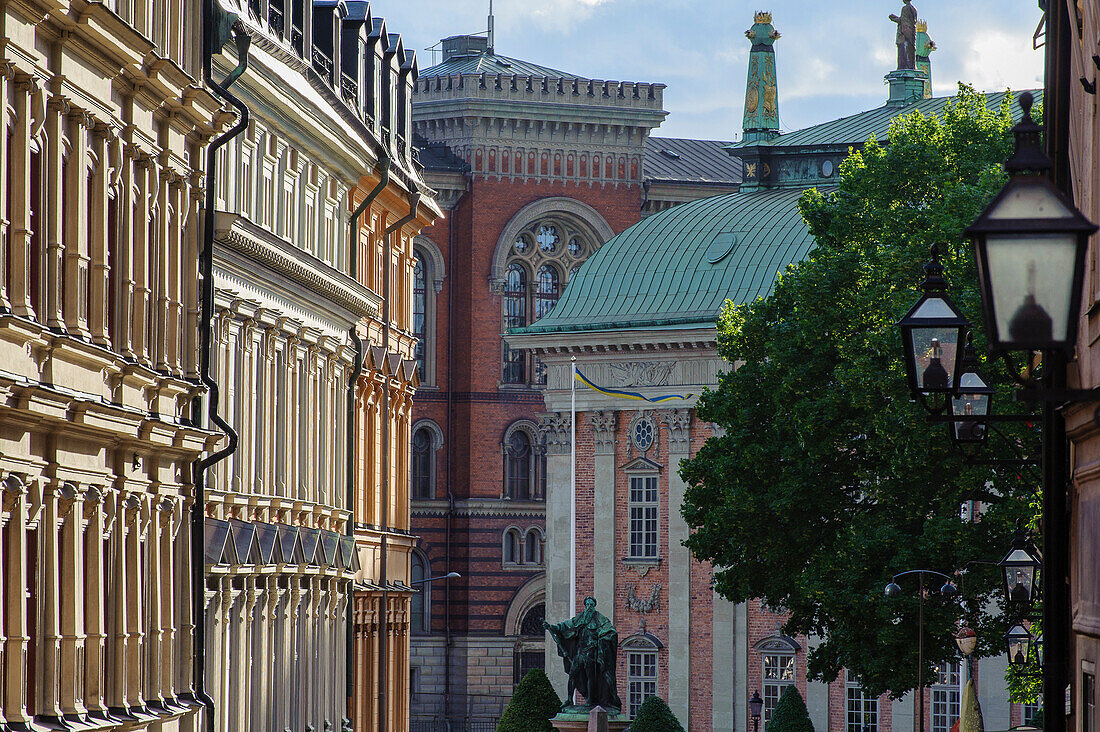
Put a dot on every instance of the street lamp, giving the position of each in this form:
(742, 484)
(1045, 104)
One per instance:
(449, 575)
(1030, 244)
(974, 399)
(1018, 639)
(1018, 568)
(756, 705)
(931, 333)
(948, 590)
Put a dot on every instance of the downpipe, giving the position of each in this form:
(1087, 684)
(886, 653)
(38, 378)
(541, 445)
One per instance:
(206, 266)
(353, 382)
(387, 287)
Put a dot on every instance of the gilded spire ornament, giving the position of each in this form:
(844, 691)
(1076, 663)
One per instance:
(761, 93)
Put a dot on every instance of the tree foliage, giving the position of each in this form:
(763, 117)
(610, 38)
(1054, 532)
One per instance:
(790, 713)
(655, 716)
(829, 479)
(533, 703)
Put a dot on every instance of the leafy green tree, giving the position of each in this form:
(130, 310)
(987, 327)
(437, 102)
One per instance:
(790, 713)
(533, 703)
(829, 479)
(655, 716)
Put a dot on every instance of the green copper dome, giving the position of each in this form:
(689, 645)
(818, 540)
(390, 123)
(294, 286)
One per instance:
(679, 266)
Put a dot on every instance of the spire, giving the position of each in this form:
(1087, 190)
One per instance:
(761, 93)
(490, 48)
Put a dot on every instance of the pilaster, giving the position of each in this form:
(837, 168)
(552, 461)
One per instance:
(603, 426)
(679, 566)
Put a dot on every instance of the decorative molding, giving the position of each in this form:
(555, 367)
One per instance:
(641, 373)
(648, 605)
(603, 431)
(554, 427)
(679, 429)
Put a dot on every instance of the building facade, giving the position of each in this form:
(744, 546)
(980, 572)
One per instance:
(640, 320)
(105, 124)
(316, 206)
(537, 168)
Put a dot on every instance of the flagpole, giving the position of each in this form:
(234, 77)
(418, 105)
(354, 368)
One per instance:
(573, 487)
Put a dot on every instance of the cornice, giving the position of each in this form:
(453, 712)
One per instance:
(245, 237)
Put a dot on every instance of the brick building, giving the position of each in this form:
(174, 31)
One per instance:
(640, 318)
(535, 169)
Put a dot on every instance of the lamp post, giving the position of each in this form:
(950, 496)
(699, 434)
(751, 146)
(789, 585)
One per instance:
(449, 575)
(756, 705)
(948, 590)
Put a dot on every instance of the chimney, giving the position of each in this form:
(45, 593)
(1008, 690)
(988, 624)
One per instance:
(761, 121)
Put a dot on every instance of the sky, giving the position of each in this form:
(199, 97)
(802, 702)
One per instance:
(830, 60)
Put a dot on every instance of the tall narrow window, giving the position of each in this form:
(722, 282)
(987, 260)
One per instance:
(515, 316)
(945, 696)
(862, 710)
(510, 550)
(420, 309)
(421, 600)
(547, 293)
(644, 504)
(422, 463)
(641, 678)
(532, 547)
(778, 674)
(517, 458)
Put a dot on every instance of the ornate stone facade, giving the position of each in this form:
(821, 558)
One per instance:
(101, 161)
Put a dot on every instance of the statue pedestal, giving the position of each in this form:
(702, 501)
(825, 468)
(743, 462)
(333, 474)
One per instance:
(906, 86)
(597, 720)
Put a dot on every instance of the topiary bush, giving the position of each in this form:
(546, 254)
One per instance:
(655, 716)
(790, 714)
(533, 703)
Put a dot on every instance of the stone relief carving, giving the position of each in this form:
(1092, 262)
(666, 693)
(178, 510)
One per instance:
(650, 604)
(679, 429)
(554, 429)
(641, 373)
(603, 431)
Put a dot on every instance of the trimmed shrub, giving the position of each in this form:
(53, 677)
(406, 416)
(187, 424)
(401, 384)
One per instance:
(790, 713)
(533, 703)
(655, 716)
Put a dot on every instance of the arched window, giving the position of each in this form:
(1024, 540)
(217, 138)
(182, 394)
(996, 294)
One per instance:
(532, 547)
(518, 458)
(420, 309)
(532, 621)
(547, 247)
(641, 669)
(511, 548)
(422, 599)
(422, 458)
(515, 316)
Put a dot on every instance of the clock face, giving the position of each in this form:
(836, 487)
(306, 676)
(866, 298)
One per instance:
(827, 168)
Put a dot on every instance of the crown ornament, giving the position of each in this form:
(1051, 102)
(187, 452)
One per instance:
(762, 17)
(922, 26)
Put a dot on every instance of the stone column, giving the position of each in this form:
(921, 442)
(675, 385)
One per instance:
(48, 701)
(555, 430)
(95, 630)
(153, 629)
(76, 217)
(73, 578)
(13, 692)
(162, 213)
(167, 657)
(723, 648)
(141, 254)
(99, 239)
(115, 666)
(124, 322)
(679, 567)
(7, 74)
(177, 207)
(193, 193)
(21, 203)
(603, 515)
(135, 611)
(185, 621)
(53, 192)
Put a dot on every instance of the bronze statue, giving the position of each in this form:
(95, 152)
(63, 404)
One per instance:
(906, 36)
(587, 644)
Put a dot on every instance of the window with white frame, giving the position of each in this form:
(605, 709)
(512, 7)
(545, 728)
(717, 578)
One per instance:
(778, 674)
(641, 678)
(1028, 712)
(644, 508)
(862, 710)
(945, 696)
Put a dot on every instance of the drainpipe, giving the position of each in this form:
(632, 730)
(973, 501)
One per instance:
(383, 629)
(353, 381)
(217, 23)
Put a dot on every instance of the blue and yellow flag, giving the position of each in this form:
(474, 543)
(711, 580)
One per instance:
(626, 394)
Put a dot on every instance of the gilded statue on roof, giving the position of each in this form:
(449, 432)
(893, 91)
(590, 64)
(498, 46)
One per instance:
(761, 94)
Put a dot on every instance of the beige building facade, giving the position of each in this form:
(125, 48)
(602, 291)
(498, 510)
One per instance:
(105, 125)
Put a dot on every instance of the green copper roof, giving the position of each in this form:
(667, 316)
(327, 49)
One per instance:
(681, 265)
(488, 62)
(857, 128)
